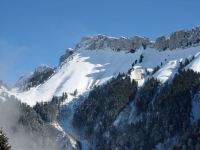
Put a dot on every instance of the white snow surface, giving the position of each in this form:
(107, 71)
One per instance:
(195, 64)
(82, 71)
(87, 68)
(167, 72)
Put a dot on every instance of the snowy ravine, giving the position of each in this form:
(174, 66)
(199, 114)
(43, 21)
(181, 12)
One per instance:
(65, 122)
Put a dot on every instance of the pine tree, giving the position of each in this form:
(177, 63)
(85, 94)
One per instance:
(75, 92)
(136, 61)
(141, 58)
(132, 51)
(133, 64)
(4, 142)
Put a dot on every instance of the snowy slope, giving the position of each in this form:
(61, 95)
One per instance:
(87, 68)
(168, 71)
(82, 71)
(195, 64)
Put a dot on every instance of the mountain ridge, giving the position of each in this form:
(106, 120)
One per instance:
(180, 39)
(98, 69)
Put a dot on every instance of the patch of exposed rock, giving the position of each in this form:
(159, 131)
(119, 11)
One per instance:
(117, 44)
(178, 39)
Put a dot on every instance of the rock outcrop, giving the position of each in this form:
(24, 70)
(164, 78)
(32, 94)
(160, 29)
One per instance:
(117, 44)
(68, 53)
(40, 75)
(178, 39)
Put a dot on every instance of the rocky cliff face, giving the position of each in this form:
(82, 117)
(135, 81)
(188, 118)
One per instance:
(40, 75)
(178, 39)
(117, 44)
(68, 53)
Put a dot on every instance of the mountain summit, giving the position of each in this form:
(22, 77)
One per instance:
(178, 39)
(117, 44)
(120, 93)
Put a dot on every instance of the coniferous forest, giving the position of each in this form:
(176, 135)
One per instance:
(161, 112)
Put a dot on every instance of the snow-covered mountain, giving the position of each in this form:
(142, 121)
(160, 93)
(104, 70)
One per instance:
(39, 76)
(85, 69)
(92, 63)
(178, 39)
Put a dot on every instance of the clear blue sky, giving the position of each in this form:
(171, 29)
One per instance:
(34, 32)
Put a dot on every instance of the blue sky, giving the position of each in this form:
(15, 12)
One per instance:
(34, 32)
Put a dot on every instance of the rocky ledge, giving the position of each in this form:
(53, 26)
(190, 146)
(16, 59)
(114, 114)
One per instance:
(178, 39)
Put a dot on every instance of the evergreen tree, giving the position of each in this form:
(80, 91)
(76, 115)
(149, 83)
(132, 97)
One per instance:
(133, 64)
(75, 92)
(132, 51)
(144, 46)
(141, 58)
(4, 142)
(136, 61)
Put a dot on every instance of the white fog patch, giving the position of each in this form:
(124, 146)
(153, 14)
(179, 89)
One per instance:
(19, 137)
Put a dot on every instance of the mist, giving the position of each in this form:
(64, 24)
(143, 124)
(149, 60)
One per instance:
(23, 137)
